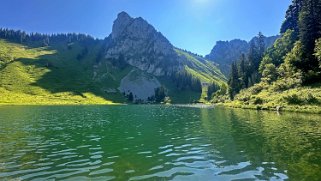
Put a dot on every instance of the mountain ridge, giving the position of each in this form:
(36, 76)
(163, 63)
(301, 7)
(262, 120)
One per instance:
(225, 53)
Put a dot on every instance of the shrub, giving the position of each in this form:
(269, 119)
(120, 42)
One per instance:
(292, 99)
(258, 100)
(257, 88)
(310, 99)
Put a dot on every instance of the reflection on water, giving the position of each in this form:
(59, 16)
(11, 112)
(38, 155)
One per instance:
(157, 142)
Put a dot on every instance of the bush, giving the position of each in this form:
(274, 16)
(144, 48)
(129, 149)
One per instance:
(257, 88)
(292, 99)
(258, 100)
(310, 99)
(317, 50)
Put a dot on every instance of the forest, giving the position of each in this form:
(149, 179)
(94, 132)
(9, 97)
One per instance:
(289, 72)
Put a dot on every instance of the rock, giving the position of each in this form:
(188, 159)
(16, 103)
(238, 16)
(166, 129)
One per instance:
(141, 46)
(140, 84)
(278, 108)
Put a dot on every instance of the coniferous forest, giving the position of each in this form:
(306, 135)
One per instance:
(289, 72)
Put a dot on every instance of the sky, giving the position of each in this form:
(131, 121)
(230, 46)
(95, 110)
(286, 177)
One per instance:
(194, 25)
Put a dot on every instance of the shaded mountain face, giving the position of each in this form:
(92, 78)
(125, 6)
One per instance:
(136, 42)
(226, 52)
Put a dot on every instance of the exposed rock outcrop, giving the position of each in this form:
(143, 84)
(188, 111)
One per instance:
(141, 46)
(226, 52)
(140, 84)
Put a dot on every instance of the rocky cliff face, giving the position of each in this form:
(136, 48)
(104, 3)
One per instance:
(226, 52)
(140, 45)
(136, 46)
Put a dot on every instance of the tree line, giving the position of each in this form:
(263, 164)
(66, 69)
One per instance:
(186, 81)
(22, 37)
(293, 60)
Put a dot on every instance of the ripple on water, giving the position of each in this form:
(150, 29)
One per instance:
(173, 143)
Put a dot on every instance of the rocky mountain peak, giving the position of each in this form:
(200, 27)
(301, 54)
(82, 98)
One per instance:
(122, 21)
(141, 45)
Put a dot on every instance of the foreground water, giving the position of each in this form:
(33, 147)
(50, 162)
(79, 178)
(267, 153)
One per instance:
(157, 143)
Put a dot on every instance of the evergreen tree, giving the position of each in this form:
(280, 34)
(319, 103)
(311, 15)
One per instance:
(234, 85)
(130, 97)
(212, 88)
(160, 94)
(257, 48)
(243, 73)
(310, 31)
(292, 17)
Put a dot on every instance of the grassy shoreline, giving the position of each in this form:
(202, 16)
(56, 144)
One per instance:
(60, 104)
(287, 108)
(294, 108)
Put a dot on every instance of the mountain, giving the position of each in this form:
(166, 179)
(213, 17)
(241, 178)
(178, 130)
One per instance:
(226, 52)
(141, 46)
(135, 63)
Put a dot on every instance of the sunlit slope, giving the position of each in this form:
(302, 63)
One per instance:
(50, 75)
(204, 70)
(75, 73)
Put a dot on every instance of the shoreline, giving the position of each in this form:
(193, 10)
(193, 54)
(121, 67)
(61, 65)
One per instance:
(294, 108)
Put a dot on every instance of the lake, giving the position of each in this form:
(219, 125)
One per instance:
(156, 142)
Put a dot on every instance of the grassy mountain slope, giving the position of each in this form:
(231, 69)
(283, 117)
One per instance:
(204, 70)
(50, 75)
(63, 74)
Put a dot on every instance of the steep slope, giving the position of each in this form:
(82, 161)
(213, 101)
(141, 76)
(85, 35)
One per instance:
(226, 52)
(135, 42)
(141, 46)
(47, 75)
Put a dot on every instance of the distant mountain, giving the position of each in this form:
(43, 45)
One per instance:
(226, 52)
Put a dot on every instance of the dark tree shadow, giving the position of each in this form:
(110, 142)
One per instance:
(66, 72)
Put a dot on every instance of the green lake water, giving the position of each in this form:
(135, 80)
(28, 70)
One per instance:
(143, 142)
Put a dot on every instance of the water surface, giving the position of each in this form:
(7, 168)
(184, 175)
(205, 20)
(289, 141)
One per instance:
(157, 143)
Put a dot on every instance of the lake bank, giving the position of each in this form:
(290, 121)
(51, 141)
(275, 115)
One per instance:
(287, 108)
(294, 108)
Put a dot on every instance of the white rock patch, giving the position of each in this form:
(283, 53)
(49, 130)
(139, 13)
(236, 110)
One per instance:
(140, 84)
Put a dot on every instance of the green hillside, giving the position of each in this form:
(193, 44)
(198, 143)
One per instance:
(49, 75)
(287, 76)
(68, 73)
(204, 70)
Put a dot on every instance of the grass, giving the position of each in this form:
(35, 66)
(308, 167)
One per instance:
(50, 75)
(204, 70)
(305, 99)
(32, 75)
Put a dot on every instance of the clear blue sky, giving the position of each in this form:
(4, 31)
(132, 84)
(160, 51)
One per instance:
(194, 25)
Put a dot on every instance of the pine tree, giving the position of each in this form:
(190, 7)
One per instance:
(160, 94)
(261, 47)
(310, 31)
(243, 73)
(292, 17)
(234, 85)
(130, 97)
